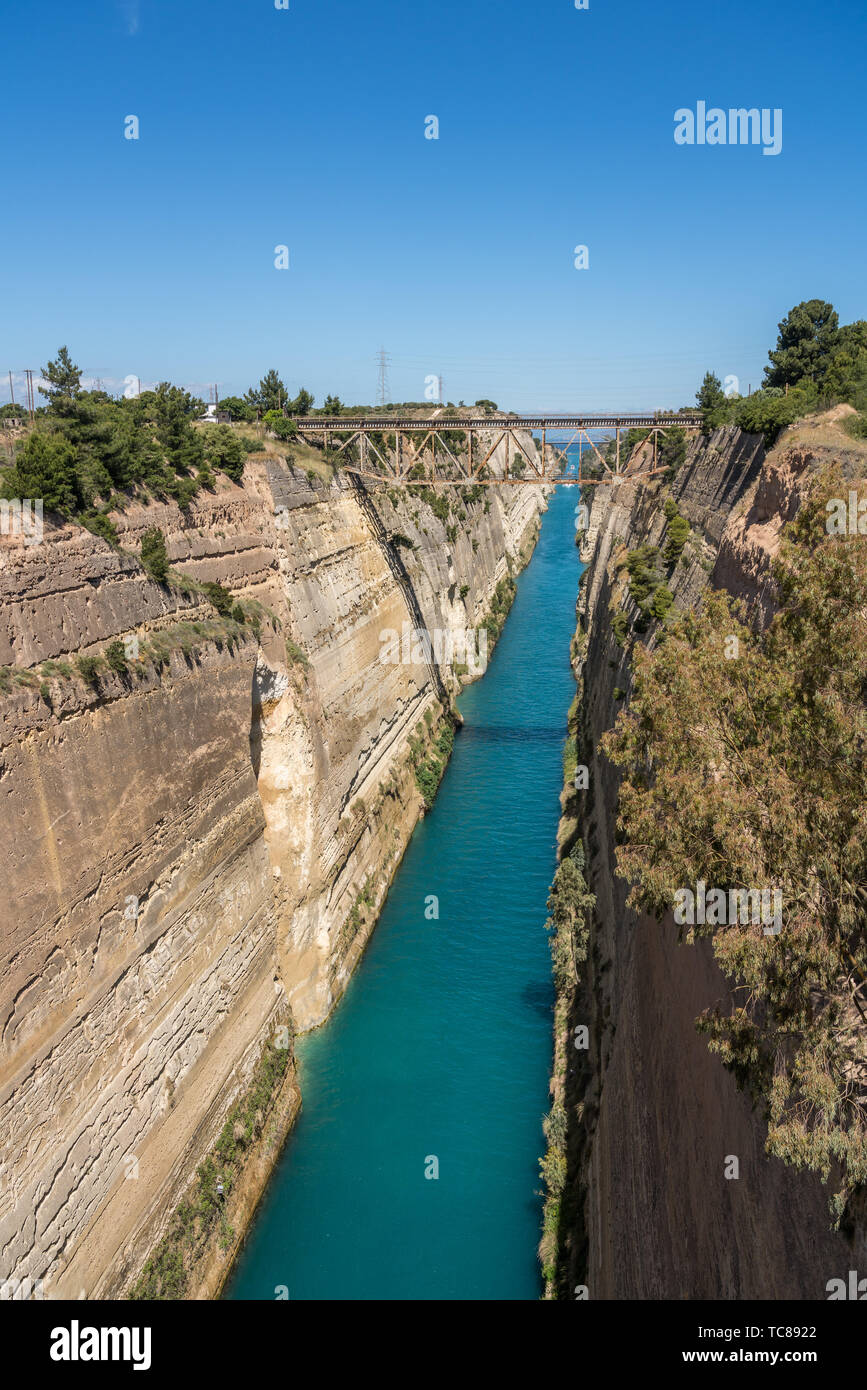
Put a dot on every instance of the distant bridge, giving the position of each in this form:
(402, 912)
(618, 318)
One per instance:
(484, 435)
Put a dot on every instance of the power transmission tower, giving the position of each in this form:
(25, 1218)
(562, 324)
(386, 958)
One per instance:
(382, 391)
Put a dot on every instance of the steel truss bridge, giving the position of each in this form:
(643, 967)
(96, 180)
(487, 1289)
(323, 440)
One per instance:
(424, 450)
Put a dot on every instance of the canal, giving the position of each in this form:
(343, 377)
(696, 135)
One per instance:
(412, 1172)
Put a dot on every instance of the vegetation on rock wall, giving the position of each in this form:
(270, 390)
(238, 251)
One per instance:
(745, 766)
(570, 905)
(167, 1273)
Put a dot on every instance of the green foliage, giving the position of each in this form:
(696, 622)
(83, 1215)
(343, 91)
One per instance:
(45, 467)
(750, 773)
(295, 654)
(224, 450)
(439, 504)
(167, 1273)
(115, 655)
(663, 598)
(154, 557)
(464, 590)
(644, 574)
(429, 770)
(808, 337)
(501, 601)
(64, 381)
(856, 425)
(270, 394)
(678, 531)
(275, 422)
(101, 524)
(620, 627)
(647, 581)
(221, 599)
(88, 669)
(671, 451)
(768, 412)
(711, 400)
(237, 409)
(85, 445)
(569, 907)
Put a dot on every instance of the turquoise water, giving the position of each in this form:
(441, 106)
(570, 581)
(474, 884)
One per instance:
(441, 1046)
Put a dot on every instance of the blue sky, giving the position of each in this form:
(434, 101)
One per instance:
(305, 127)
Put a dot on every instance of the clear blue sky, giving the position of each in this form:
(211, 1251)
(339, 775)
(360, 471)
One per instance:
(306, 127)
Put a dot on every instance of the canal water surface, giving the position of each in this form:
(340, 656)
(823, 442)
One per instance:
(441, 1047)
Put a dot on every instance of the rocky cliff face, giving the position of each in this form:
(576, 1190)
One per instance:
(654, 1116)
(197, 846)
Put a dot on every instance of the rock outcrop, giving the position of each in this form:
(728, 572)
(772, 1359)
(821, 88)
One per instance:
(186, 836)
(648, 1211)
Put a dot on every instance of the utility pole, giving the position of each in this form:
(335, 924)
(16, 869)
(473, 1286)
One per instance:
(31, 401)
(11, 391)
(382, 392)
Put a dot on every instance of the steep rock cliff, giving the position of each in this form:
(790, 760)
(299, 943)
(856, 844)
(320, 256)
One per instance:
(647, 1210)
(186, 839)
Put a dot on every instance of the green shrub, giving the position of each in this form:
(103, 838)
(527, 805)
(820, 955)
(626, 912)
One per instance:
(678, 531)
(663, 598)
(620, 627)
(153, 554)
(88, 669)
(115, 655)
(220, 598)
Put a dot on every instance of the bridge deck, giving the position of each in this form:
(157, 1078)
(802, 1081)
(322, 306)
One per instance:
(390, 423)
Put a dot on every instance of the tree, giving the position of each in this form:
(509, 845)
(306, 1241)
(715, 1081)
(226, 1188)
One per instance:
(270, 394)
(711, 400)
(153, 554)
(747, 771)
(846, 377)
(302, 403)
(45, 466)
(277, 424)
(807, 338)
(64, 381)
(332, 405)
(223, 450)
(236, 409)
(174, 410)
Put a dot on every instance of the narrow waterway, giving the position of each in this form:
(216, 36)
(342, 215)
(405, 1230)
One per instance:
(440, 1049)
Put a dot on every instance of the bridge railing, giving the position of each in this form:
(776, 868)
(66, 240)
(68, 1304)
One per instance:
(497, 450)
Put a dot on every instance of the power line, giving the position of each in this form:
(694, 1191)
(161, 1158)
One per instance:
(382, 392)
